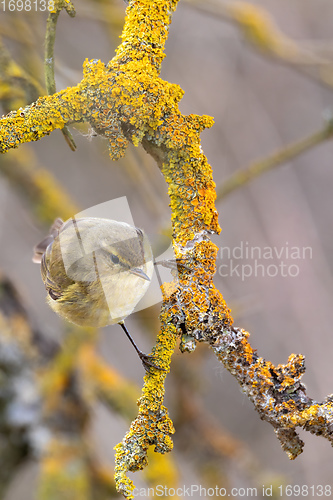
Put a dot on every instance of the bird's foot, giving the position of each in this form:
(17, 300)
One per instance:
(147, 361)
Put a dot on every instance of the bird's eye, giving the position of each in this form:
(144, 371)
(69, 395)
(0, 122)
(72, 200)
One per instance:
(114, 259)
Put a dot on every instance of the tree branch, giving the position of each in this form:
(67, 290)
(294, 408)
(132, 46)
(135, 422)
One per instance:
(126, 101)
(51, 25)
(261, 32)
(243, 177)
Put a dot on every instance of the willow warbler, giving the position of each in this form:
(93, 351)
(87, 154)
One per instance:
(95, 271)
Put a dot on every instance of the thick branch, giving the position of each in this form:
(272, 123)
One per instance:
(152, 426)
(276, 391)
(127, 101)
(40, 118)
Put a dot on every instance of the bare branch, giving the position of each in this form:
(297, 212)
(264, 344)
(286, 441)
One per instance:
(243, 177)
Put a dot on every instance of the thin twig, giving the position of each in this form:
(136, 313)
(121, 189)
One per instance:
(51, 25)
(243, 177)
(260, 31)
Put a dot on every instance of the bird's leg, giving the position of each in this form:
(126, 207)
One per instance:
(145, 358)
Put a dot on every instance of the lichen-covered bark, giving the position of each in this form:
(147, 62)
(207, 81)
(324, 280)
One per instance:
(126, 101)
(152, 426)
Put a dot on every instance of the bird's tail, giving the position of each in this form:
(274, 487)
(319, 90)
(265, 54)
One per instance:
(40, 248)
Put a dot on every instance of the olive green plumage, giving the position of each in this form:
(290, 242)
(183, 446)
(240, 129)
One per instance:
(94, 270)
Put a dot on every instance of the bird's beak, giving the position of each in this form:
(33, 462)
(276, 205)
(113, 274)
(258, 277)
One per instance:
(138, 272)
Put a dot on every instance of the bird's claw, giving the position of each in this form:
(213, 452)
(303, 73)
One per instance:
(147, 362)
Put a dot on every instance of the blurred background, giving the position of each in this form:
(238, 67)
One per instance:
(263, 98)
